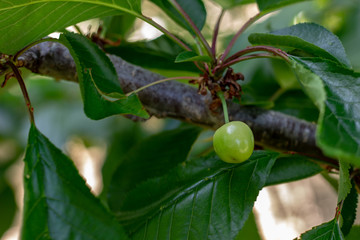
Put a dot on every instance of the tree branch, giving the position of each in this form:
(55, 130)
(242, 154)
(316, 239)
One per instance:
(176, 100)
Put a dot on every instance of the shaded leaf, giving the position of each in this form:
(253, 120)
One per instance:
(191, 57)
(7, 206)
(159, 53)
(344, 181)
(297, 104)
(334, 90)
(201, 199)
(326, 231)
(354, 233)
(270, 5)
(117, 27)
(348, 211)
(226, 4)
(292, 168)
(250, 230)
(194, 8)
(25, 21)
(152, 157)
(309, 37)
(97, 79)
(57, 202)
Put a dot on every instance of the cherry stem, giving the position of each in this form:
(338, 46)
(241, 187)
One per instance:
(24, 91)
(157, 82)
(216, 33)
(237, 35)
(225, 109)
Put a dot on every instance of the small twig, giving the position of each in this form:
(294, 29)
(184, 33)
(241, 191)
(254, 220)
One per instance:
(194, 28)
(275, 51)
(216, 32)
(237, 35)
(244, 58)
(24, 91)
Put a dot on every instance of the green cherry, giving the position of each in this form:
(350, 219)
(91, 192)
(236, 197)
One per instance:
(234, 142)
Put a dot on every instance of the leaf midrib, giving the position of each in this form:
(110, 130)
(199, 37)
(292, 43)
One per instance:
(114, 6)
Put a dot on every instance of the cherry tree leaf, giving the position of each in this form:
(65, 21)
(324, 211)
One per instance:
(334, 90)
(200, 199)
(98, 81)
(57, 203)
(309, 37)
(270, 5)
(327, 231)
(25, 21)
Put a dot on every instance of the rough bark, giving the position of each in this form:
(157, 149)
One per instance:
(180, 101)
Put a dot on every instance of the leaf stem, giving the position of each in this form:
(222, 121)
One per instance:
(19, 53)
(216, 33)
(157, 82)
(166, 32)
(194, 28)
(237, 35)
(225, 109)
(244, 58)
(275, 51)
(24, 91)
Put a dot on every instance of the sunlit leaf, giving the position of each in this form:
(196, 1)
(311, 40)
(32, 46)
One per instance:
(24, 21)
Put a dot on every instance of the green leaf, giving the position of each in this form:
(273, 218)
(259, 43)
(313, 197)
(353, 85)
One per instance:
(194, 8)
(348, 211)
(292, 168)
(297, 104)
(226, 4)
(152, 157)
(308, 37)
(335, 91)
(7, 206)
(98, 79)
(354, 233)
(344, 182)
(155, 54)
(326, 231)
(25, 21)
(250, 230)
(57, 202)
(117, 27)
(200, 199)
(191, 57)
(270, 5)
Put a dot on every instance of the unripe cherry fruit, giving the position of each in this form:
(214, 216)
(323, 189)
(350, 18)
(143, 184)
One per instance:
(234, 142)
